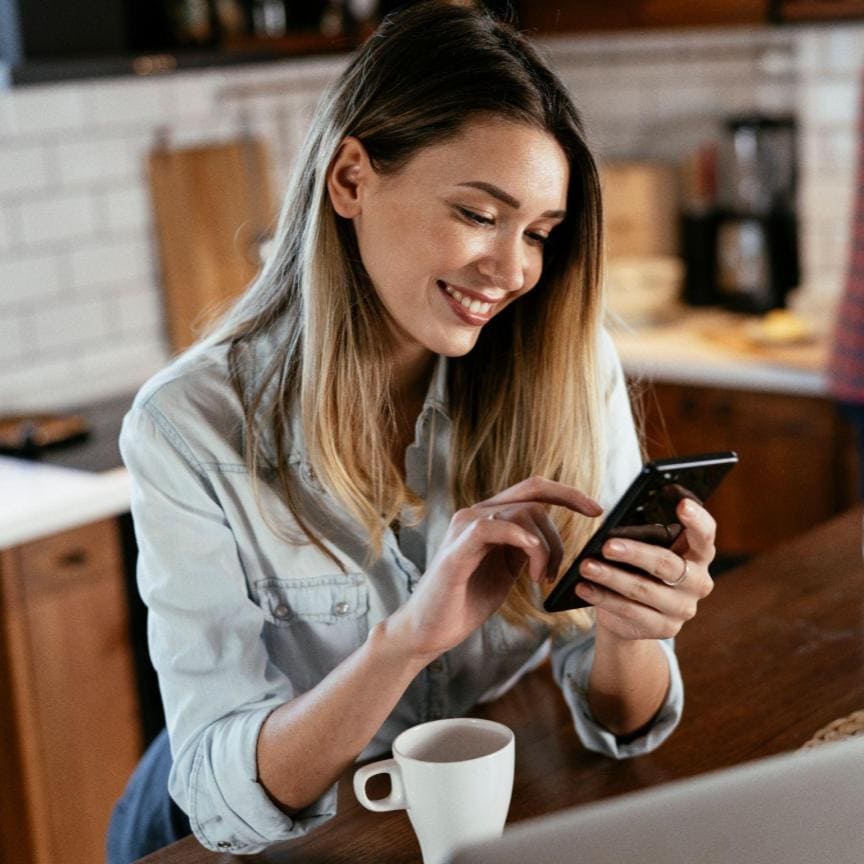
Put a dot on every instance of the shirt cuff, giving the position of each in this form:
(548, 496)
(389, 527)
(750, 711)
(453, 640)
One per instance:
(572, 676)
(229, 810)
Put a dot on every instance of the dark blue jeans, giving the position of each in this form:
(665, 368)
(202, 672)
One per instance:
(145, 818)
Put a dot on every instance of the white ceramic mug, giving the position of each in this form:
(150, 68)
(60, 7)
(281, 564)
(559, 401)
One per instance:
(454, 777)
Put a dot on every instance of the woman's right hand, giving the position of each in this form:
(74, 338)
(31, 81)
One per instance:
(483, 552)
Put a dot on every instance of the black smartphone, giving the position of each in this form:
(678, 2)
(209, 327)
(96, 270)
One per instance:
(646, 512)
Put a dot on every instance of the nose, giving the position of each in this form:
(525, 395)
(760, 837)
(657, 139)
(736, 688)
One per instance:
(505, 264)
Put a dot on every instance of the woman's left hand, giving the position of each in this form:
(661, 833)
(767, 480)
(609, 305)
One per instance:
(656, 606)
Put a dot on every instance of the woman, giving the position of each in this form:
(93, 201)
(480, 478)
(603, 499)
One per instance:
(342, 496)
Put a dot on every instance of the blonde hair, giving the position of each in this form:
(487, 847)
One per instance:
(525, 401)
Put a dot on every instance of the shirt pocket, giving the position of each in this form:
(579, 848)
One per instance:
(313, 623)
(331, 599)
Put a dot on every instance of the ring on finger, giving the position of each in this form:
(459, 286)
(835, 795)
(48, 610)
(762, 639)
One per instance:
(493, 515)
(684, 573)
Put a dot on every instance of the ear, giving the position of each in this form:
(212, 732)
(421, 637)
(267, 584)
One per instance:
(347, 178)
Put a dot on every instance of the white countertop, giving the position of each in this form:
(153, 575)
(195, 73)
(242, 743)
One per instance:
(37, 499)
(708, 349)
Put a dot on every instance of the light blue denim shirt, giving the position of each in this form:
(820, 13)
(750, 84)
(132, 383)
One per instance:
(241, 621)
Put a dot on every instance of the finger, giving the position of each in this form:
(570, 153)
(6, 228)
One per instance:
(700, 530)
(640, 589)
(539, 489)
(535, 519)
(661, 563)
(486, 533)
(632, 620)
(549, 530)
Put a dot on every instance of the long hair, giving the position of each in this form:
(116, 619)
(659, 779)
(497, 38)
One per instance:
(525, 401)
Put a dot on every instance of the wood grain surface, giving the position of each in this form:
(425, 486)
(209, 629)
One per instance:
(213, 206)
(776, 652)
(69, 698)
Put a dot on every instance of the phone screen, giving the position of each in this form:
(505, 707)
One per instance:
(647, 512)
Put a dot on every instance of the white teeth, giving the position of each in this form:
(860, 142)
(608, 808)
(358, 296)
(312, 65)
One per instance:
(475, 306)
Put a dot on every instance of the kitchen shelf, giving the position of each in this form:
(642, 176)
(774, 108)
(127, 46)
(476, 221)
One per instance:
(792, 11)
(233, 53)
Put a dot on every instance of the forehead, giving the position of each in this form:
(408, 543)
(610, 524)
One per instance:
(526, 162)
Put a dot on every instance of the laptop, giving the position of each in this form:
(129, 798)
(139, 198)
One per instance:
(805, 807)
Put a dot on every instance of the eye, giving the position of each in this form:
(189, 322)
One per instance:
(473, 216)
(537, 239)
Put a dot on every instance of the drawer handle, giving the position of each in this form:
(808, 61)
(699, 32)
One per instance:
(75, 558)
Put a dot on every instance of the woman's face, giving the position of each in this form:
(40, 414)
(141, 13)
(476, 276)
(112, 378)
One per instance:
(457, 234)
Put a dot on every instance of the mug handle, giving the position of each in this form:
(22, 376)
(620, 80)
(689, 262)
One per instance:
(395, 800)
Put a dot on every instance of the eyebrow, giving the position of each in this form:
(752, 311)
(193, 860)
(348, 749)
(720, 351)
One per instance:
(507, 198)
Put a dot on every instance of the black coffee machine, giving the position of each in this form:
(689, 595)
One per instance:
(741, 251)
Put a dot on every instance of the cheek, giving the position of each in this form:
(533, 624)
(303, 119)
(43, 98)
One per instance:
(533, 271)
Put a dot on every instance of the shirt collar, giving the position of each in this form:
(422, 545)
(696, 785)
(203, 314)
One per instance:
(435, 401)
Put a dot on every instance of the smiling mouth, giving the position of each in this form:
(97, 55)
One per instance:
(469, 309)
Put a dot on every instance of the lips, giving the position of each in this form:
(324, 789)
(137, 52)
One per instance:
(468, 308)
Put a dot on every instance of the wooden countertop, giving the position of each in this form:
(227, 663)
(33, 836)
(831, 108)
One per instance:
(776, 653)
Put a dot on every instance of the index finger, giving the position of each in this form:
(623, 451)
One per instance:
(539, 489)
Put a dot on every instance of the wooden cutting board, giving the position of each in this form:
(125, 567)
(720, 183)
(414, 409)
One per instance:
(213, 207)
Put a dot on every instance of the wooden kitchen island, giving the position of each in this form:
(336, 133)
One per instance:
(70, 721)
(776, 653)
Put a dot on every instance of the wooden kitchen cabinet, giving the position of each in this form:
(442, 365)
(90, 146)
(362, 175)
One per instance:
(817, 10)
(70, 723)
(592, 15)
(797, 458)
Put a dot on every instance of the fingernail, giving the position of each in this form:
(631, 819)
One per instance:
(584, 589)
(617, 547)
(591, 567)
(689, 508)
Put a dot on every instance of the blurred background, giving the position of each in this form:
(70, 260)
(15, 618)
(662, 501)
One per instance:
(99, 96)
(144, 147)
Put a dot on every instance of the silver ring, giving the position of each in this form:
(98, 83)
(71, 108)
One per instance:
(672, 583)
(493, 515)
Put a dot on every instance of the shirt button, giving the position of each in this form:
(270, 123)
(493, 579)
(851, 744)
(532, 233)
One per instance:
(223, 844)
(436, 665)
(341, 608)
(281, 611)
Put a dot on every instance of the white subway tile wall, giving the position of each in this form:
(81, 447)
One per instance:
(5, 231)
(28, 283)
(81, 313)
(829, 103)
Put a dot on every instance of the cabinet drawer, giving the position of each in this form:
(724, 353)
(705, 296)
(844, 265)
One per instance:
(85, 554)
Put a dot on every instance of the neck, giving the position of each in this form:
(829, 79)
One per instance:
(411, 377)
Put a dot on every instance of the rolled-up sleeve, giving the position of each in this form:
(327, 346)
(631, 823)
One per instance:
(205, 635)
(571, 665)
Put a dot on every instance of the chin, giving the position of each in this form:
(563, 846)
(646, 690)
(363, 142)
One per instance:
(456, 348)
